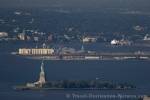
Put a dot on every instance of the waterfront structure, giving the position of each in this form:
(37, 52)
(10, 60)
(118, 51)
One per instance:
(35, 51)
(67, 53)
(87, 56)
(73, 54)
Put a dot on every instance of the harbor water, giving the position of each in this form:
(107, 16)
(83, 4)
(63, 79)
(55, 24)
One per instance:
(17, 70)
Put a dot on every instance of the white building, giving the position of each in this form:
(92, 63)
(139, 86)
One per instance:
(40, 51)
(89, 39)
(114, 42)
(146, 37)
(3, 34)
(120, 42)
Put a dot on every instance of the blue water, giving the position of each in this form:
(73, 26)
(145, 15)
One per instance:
(15, 70)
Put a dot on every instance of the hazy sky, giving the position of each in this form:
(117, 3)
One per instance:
(76, 3)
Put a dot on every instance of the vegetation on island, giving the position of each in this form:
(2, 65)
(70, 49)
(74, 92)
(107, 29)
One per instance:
(87, 84)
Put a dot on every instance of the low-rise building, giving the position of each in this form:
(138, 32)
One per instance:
(120, 42)
(34, 51)
(89, 39)
(21, 36)
(3, 34)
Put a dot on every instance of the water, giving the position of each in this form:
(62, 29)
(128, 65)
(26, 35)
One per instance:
(15, 70)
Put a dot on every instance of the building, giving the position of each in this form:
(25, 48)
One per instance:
(3, 34)
(120, 42)
(146, 98)
(22, 36)
(35, 51)
(50, 38)
(147, 37)
(89, 39)
(36, 39)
